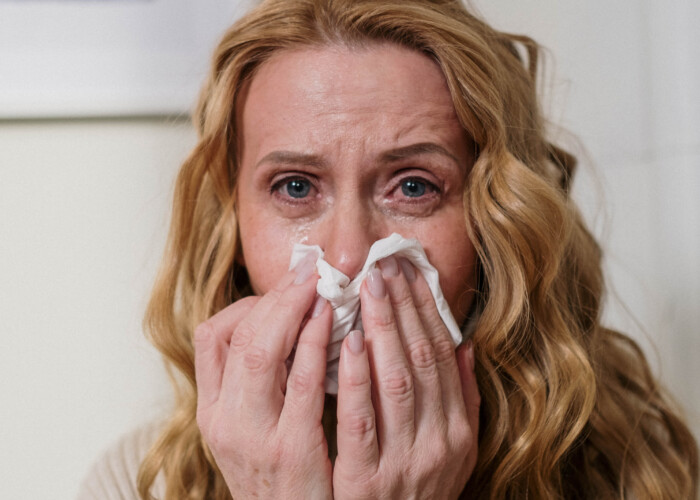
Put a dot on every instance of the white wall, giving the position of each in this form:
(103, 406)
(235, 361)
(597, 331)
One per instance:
(83, 214)
(624, 77)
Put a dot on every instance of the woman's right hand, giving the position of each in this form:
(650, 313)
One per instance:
(264, 428)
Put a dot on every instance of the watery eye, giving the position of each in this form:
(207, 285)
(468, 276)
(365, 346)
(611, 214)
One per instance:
(297, 188)
(413, 188)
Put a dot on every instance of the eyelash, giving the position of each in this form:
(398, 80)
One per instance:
(431, 189)
(278, 185)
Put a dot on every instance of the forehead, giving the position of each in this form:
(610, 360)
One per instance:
(330, 75)
(312, 89)
(328, 68)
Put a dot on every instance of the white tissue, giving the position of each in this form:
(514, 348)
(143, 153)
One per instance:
(344, 295)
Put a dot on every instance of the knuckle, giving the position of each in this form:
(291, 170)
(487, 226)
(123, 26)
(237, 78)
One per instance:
(442, 452)
(203, 333)
(402, 300)
(382, 319)
(398, 384)
(217, 436)
(434, 323)
(357, 382)
(216, 441)
(243, 334)
(275, 292)
(423, 299)
(436, 456)
(301, 381)
(360, 424)
(421, 354)
(311, 347)
(444, 350)
(462, 436)
(256, 359)
(441, 458)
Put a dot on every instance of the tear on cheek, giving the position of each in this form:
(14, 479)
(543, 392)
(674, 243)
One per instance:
(300, 234)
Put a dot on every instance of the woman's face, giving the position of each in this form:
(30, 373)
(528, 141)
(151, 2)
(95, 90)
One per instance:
(342, 147)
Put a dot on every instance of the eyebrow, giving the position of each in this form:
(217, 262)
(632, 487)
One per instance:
(416, 150)
(293, 158)
(392, 155)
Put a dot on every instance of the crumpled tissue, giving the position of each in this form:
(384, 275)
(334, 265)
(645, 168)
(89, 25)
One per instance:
(344, 295)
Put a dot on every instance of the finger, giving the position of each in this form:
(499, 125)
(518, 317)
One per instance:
(211, 346)
(470, 389)
(392, 380)
(303, 402)
(283, 306)
(275, 324)
(416, 343)
(253, 379)
(358, 449)
(440, 338)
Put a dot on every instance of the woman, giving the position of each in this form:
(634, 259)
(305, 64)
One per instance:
(336, 123)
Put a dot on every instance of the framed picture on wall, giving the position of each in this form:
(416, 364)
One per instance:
(68, 58)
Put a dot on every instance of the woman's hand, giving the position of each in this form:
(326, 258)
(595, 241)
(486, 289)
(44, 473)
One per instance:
(407, 427)
(264, 428)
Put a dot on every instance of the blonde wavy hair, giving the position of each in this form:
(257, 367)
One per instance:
(570, 409)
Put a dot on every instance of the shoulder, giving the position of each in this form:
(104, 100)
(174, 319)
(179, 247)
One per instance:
(113, 475)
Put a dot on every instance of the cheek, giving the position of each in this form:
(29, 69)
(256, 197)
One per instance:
(263, 253)
(264, 262)
(455, 261)
(267, 243)
(458, 287)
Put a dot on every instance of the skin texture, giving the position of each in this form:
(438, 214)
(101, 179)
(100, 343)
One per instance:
(348, 110)
(341, 147)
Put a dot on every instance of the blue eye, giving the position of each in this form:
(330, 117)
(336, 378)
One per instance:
(297, 188)
(413, 188)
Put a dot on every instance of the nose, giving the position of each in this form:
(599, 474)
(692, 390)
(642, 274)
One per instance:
(348, 233)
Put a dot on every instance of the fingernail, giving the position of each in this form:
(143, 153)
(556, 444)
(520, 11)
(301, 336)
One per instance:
(388, 266)
(407, 269)
(356, 342)
(304, 269)
(319, 304)
(375, 283)
(470, 353)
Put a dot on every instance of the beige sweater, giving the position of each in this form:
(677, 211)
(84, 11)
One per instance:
(113, 475)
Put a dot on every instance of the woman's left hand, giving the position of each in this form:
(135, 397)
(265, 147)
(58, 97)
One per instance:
(408, 407)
